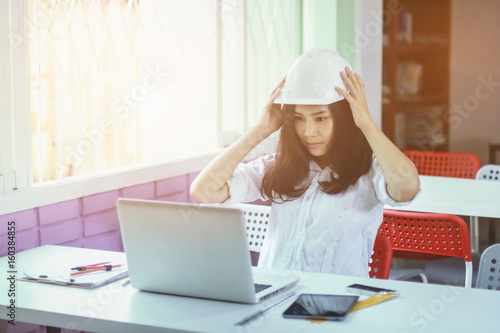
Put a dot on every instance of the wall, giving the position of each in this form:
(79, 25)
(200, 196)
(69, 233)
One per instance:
(475, 76)
(89, 222)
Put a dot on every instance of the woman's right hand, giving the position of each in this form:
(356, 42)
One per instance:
(271, 118)
(210, 186)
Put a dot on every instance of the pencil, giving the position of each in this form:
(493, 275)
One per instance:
(103, 268)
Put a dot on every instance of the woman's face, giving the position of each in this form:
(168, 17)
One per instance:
(314, 127)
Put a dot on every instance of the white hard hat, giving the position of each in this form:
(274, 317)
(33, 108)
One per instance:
(312, 78)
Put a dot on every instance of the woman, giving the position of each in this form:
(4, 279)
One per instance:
(330, 177)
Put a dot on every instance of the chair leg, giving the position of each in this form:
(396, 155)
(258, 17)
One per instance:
(468, 274)
(423, 277)
(474, 233)
(492, 231)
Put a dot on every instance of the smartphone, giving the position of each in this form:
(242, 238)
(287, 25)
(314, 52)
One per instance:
(321, 306)
(362, 289)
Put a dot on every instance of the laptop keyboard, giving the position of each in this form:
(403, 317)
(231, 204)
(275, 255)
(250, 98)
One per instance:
(259, 287)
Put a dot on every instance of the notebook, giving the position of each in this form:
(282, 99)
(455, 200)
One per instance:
(58, 267)
(193, 250)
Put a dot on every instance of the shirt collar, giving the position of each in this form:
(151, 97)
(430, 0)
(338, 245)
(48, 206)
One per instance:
(313, 166)
(324, 174)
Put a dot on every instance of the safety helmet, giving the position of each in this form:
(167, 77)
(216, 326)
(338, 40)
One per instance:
(312, 78)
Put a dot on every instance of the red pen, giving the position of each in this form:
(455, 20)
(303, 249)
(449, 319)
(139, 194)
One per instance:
(95, 269)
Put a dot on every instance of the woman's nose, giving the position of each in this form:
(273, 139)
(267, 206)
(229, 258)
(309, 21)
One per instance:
(311, 129)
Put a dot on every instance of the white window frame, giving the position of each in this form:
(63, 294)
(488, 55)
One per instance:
(17, 192)
(16, 162)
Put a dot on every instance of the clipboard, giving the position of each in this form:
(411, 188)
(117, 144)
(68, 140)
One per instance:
(57, 270)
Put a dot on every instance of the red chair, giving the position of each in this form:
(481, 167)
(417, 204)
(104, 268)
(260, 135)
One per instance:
(380, 261)
(428, 236)
(447, 164)
(444, 164)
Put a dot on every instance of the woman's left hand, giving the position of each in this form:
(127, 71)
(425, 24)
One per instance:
(400, 174)
(355, 97)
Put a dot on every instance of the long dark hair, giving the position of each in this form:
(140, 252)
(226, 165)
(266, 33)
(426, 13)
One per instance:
(349, 155)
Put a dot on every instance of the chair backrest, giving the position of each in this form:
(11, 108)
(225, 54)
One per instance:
(381, 259)
(257, 221)
(444, 164)
(426, 236)
(489, 172)
(488, 275)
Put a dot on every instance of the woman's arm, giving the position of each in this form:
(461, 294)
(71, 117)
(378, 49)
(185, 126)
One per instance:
(210, 186)
(400, 173)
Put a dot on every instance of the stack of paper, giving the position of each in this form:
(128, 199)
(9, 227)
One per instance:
(59, 270)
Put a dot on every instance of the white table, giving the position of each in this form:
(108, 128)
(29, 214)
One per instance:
(114, 308)
(459, 196)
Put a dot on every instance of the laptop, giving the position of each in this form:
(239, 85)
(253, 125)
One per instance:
(193, 250)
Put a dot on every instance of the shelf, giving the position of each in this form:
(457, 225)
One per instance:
(422, 99)
(419, 68)
(401, 49)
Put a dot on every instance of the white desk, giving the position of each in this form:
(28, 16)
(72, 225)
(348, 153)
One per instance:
(114, 308)
(458, 196)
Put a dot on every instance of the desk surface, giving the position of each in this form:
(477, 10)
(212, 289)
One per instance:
(114, 308)
(457, 196)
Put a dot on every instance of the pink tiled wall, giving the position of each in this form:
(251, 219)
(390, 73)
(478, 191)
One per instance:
(89, 222)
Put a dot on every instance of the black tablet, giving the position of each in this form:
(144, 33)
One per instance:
(319, 306)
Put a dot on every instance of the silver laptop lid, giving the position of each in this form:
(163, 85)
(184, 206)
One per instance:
(187, 249)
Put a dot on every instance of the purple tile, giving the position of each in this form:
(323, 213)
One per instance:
(61, 232)
(171, 185)
(144, 191)
(59, 212)
(107, 243)
(27, 239)
(99, 202)
(74, 243)
(4, 249)
(25, 219)
(101, 222)
(177, 197)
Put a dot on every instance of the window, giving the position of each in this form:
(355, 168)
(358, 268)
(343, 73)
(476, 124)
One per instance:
(98, 87)
(120, 83)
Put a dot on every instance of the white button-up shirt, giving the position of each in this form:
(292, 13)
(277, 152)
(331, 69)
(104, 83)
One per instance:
(317, 232)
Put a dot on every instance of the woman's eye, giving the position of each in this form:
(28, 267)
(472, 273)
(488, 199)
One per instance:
(320, 118)
(299, 118)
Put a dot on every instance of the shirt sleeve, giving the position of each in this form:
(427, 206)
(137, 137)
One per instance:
(381, 187)
(245, 183)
